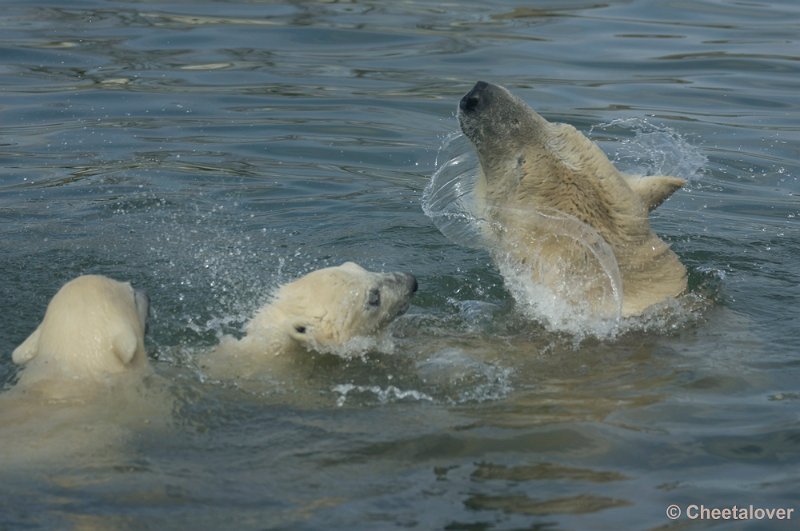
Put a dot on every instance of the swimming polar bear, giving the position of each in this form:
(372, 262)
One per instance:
(327, 310)
(85, 386)
(558, 210)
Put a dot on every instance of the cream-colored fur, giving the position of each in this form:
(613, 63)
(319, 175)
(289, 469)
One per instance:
(323, 311)
(85, 386)
(540, 182)
(93, 328)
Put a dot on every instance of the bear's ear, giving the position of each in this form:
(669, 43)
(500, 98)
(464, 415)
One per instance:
(125, 344)
(656, 189)
(28, 349)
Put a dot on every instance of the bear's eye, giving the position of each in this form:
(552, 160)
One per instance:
(300, 329)
(374, 297)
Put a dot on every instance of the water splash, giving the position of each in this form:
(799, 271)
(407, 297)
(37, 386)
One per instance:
(654, 149)
(577, 290)
(384, 395)
(359, 346)
(449, 197)
(459, 378)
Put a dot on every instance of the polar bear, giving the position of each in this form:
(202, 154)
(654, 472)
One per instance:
(93, 328)
(86, 386)
(555, 205)
(325, 311)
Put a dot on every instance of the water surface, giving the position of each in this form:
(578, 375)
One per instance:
(209, 151)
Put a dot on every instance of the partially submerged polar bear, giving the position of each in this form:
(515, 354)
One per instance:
(85, 386)
(556, 207)
(323, 311)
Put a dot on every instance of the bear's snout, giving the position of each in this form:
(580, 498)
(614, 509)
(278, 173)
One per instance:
(473, 99)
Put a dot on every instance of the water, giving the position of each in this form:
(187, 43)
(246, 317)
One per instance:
(209, 151)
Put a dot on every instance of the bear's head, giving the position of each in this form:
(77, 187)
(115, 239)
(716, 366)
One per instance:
(325, 309)
(94, 326)
(497, 122)
(530, 163)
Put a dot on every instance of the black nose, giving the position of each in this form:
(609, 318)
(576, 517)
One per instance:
(472, 99)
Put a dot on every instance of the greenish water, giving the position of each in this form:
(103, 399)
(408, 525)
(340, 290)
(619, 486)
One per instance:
(209, 151)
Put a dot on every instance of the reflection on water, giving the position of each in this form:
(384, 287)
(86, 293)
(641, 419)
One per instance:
(211, 151)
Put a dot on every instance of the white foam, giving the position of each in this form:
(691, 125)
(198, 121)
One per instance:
(382, 394)
(359, 346)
